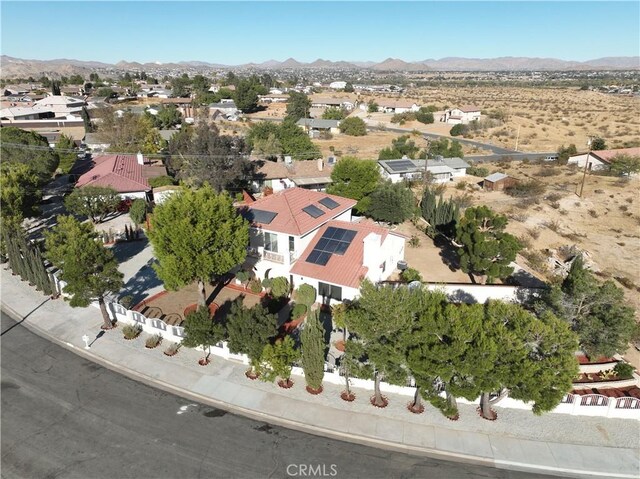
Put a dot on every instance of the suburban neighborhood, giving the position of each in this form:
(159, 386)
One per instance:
(439, 258)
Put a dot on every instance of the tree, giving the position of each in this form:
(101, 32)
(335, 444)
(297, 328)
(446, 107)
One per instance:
(276, 361)
(202, 155)
(167, 117)
(249, 330)
(401, 146)
(442, 215)
(596, 311)
(598, 144)
(66, 151)
(280, 287)
(30, 148)
(89, 270)
(353, 126)
(105, 91)
(19, 192)
(391, 202)
(55, 87)
(355, 179)
(625, 165)
(25, 258)
(313, 351)
(128, 133)
(298, 106)
(200, 83)
(246, 97)
(201, 330)
(458, 130)
(270, 147)
(95, 202)
(425, 116)
(372, 107)
(486, 249)
(348, 88)
(565, 153)
(138, 210)
(197, 235)
(305, 294)
(296, 142)
(334, 114)
(441, 147)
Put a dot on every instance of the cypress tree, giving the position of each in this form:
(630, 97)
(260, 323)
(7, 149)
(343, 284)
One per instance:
(313, 352)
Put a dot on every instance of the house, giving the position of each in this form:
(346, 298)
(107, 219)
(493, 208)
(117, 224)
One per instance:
(184, 105)
(273, 98)
(397, 106)
(21, 113)
(311, 125)
(226, 106)
(338, 85)
(324, 102)
(498, 182)
(406, 169)
(94, 143)
(62, 106)
(463, 115)
(127, 174)
(601, 159)
(280, 175)
(308, 237)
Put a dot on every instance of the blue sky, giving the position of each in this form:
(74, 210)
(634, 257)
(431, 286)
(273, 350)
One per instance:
(241, 32)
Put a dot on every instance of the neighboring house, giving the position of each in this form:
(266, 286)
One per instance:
(498, 182)
(311, 125)
(441, 169)
(273, 98)
(94, 143)
(338, 85)
(397, 106)
(161, 193)
(308, 237)
(20, 113)
(462, 115)
(127, 174)
(154, 91)
(322, 102)
(308, 174)
(601, 159)
(226, 107)
(76, 133)
(184, 106)
(62, 106)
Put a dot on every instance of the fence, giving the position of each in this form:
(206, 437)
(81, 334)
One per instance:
(586, 405)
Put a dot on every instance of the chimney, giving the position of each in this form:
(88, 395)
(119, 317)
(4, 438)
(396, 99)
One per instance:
(405, 157)
(320, 164)
(140, 158)
(371, 257)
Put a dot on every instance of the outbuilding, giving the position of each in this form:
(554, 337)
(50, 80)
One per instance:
(498, 182)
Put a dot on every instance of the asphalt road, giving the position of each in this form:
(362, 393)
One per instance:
(66, 417)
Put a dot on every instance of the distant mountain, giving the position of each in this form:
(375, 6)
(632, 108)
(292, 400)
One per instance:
(19, 68)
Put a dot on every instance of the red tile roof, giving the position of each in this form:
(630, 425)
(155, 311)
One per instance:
(288, 205)
(607, 155)
(120, 172)
(345, 270)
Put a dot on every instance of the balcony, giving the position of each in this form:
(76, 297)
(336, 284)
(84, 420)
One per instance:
(273, 257)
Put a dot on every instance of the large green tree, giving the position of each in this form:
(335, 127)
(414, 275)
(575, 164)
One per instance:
(277, 360)
(201, 330)
(487, 250)
(19, 192)
(355, 179)
(391, 202)
(442, 215)
(89, 270)
(401, 146)
(250, 330)
(334, 114)
(353, 126)
(66, 150)
(95, 202)
(298, 106)
(625, 165)
(30, 148)
(246, 97)
(313, 351)
(597, 312)
(197, 236)
(129, 133)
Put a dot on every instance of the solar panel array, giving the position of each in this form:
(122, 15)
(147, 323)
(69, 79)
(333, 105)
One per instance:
(313, 211)
(333, 241)
(329, 203)
(260, 216)
(401, 165)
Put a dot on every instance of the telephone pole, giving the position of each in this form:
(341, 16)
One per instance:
(586, 166)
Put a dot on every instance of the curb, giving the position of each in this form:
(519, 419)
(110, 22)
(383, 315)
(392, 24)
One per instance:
(303, 427)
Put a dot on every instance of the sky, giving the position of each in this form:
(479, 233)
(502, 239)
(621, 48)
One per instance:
(240, 32)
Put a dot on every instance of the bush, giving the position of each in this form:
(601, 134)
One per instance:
(414, 242)
(159, 181)
(458, 130)
(410, 274)
(623, 370)
(131, 331)
(298, 311)
(392, 203)
(305, 294)
(243, 276)
(526, 189)
(353, 126)
(255, 285)
(403, 117)
(478, 171)
(424, 116)
(138, 211)
(461, 185)
(153, 341)
(280, 287)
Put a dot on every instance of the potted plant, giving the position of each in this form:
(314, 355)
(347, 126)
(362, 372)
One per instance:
(131, 331)
(255, 286)
(153, 341)
(277, 360)
(172, 349)
(298, 312)
(243, 276)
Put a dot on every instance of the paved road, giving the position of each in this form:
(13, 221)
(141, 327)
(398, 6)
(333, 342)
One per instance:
(65, 417)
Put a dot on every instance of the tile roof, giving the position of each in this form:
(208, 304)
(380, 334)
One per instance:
(344, 270)
(120, 172)
(288, 205)
(607, 155)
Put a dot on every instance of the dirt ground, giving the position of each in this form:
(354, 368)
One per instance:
(364, 147)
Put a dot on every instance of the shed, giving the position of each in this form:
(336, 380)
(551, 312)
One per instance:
(498, 182)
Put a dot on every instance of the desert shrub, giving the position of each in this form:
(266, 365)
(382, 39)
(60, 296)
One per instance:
(525, 242)
(131, 331)
(534, 233)
(414, 242)
(627, 283)
(593, 213)
(298, 310)
(623, 207)
(623, 370)
(526, 189)
(554, 197)
(255, 285)
(461, 185)
(153, 340)
(458, 130)
(553, 226)
(138, 211)
(536, 259)
(463, 201)
(478, 171)
(305, 294)
(546, 172)
(527, 203)
(410, 274)
(555, 205)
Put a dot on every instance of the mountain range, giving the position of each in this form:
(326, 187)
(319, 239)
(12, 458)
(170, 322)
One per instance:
(20, 68)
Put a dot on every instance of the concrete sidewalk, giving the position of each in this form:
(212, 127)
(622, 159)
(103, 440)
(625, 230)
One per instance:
(553, 443)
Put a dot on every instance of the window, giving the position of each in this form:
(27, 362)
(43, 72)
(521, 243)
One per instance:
(330, 291)
(271, 242)
(292, 244)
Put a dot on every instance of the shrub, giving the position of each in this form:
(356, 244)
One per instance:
(410, 274)
(153, 341)
(458, 130)
(131, 331)
(243, 276)
(159, 181)
(414, 242)
(172, 349)
(526, 189)
(463, 201)
(138, 211)
(534, 233)
(461, 185)
(353, 126)
(280, 287)
(305, 294)
(255, 285)
(623, 370)
(392, 203)
(536, 259)
(126, 301)
(298, 311)
(424, 116)
(478, 171)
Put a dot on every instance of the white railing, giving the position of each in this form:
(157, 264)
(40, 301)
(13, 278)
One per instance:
(273, 257)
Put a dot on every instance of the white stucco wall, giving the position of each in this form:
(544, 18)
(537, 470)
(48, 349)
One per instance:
(580, 160)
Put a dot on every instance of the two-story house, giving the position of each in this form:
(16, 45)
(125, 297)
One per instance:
(462, 115)
(308, 237)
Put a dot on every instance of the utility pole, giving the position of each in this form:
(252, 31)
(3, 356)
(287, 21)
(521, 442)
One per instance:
(586, 166)
(517, 138)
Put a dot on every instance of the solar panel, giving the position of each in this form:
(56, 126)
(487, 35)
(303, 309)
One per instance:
(313, 211)
(333, 241)
(260, 216)
(401, 165)
(329, 203)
